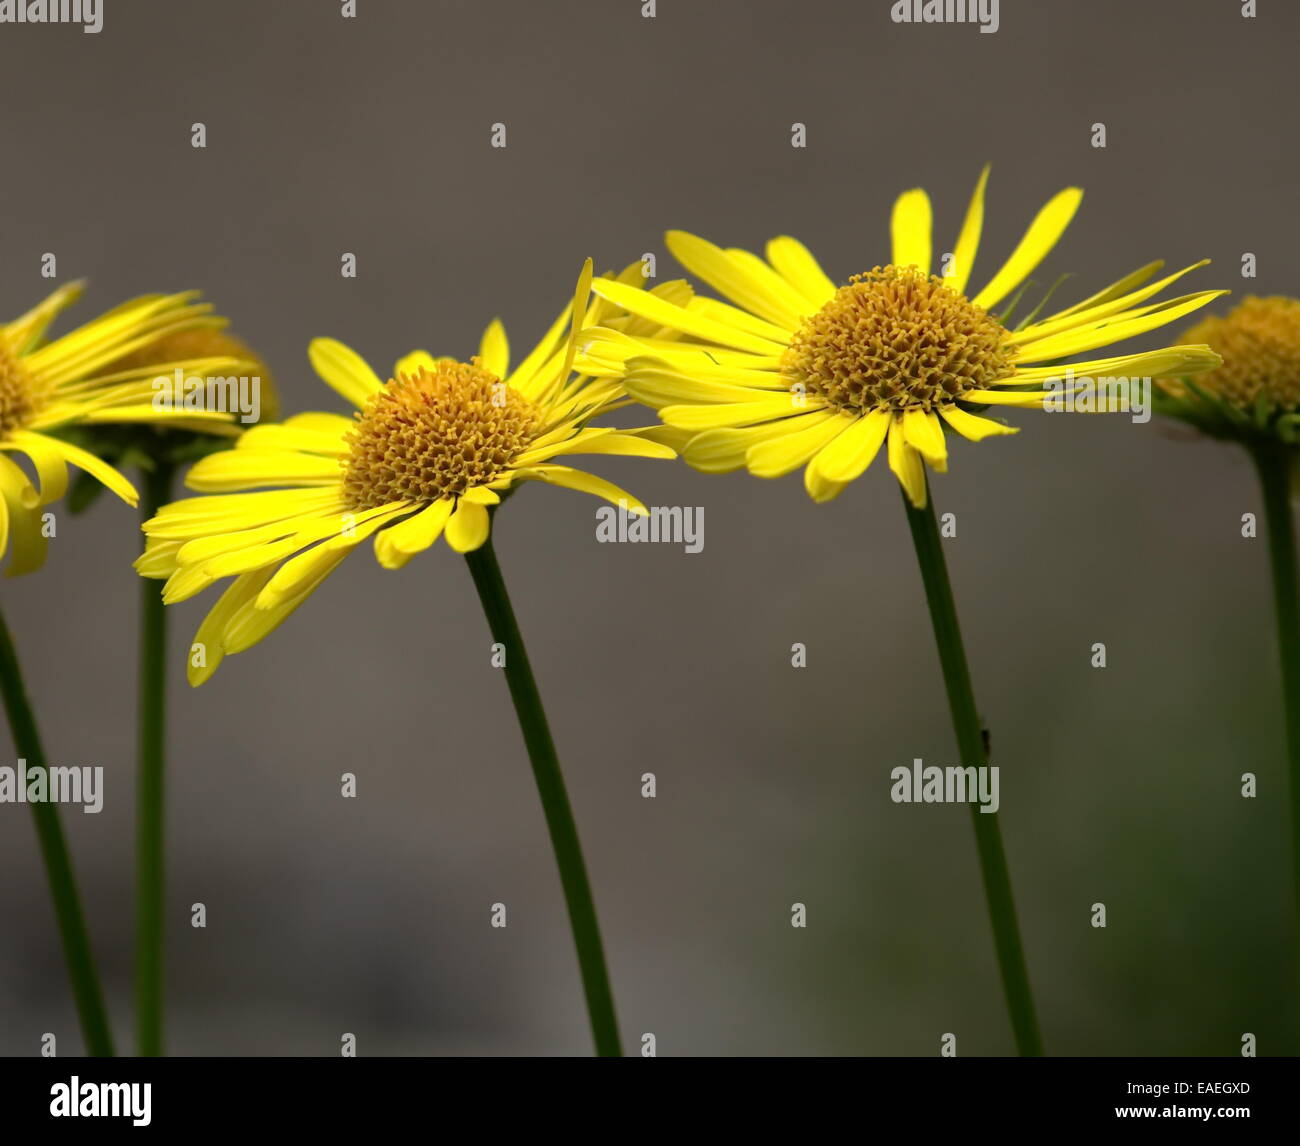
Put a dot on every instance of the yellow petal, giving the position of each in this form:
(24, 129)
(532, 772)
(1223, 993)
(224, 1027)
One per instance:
(922, 431)
(968, 241)
(848, 456)
(971, 426)
(398, 543)
(1116, 329)
(906, 464)
(494, 349)
(735, 413)
(910, 228)
(779, 456)
(732, 280)
(819, 487)
(232, 470)
(294, 439)
(254, 621)
(467, 527)
(679, 318)
(23, 534)
(51, 469)
(1086, 316)
(801, 269)
(413, 363)
(343, 368)
(210, 638)
(82, 460)
(1043, 234)
(583, 482)
(723, 450)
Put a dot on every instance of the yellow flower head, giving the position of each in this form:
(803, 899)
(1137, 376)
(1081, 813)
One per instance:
(1255, 392)
(425, 455)
(201, 344)
(794, 370)
(48, 386)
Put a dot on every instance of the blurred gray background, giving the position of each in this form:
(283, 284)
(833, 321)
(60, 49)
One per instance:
(371, 916)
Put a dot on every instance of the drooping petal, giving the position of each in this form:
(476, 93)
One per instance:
(467, 527)
(779, 456)
(848, 456)
(397, 544)
(906, 464)
(922, 431)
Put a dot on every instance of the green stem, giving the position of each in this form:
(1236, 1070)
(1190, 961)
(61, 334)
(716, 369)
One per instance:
(491, 588)
(157, 486)
(1274, 465)
(58, 863)
(970, 743)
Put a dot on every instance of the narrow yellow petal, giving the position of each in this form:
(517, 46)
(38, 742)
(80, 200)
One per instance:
(583, 482)
(344, 369)
(1043, 234)
(679, 318)
(801, 269)
(910, 228)
(848, 456)
(779, 456)
(467, 527)
(1085, 316)
(972, 426)
(735, 413)
(922, 431)
(1119, 287)
(413, 363)
(398, 543)
(968, 241)
(232, 470)
(82, 460)
(254, 620)
(906, 464)
(735, 281)
(51, 469)
(723, 450)
(818, 486)
(294, 439)
(1116, 329)
(494, 349)
(24, 530)
(208, 648)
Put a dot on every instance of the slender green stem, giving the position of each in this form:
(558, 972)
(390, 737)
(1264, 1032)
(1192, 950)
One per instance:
(157, 485)
(1274, 465)
(970, 743)
(58, 863)
(491, 588)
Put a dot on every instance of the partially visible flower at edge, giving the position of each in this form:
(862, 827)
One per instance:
(48, 386)
(1254, 395)
(183, 438)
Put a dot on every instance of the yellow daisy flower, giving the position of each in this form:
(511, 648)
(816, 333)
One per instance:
(47, 386)
(1254, 396)
(427, 454)
(794, 370)
(204, 343)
